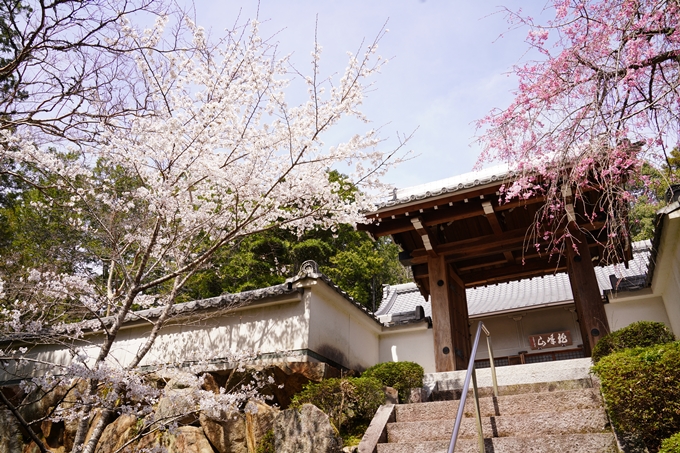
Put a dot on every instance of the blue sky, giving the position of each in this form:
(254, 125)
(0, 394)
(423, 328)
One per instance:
(450, 64)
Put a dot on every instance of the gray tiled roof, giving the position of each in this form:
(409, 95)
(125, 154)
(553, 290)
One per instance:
(224, 301)
(449, 185)
(309, 269)
(516, 295)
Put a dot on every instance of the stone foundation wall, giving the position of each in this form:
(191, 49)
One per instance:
(190, 430)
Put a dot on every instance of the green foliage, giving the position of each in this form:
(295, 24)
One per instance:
(266, 444)
(671, 444)
(350, 258)
(648, 188)
(353, 438)
(11, 13)
(349, 402)
(401, 376)
(641, 387)
(642, 215)
(37, 231)
(672, 166)
(638, 334)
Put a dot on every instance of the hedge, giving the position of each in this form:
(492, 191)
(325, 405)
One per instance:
(671, 444)
(348, 402)
(638, 334)
(641, 387)
(401, 376)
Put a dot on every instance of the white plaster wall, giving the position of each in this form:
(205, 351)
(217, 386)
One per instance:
(621, 313)
(510, 332)
(412, 344)
(506, 337)
(46, 358)
(340, 331)
(666, 279)
(671, 293)
(267, 328)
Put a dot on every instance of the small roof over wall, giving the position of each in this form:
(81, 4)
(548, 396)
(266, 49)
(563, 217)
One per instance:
(523, 294)
(293, 287)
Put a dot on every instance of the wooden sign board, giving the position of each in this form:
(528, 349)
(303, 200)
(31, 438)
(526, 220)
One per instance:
(550, 340)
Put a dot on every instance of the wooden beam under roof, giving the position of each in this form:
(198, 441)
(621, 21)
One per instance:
(429, 240)
(481, 246)
(489, 244)
(496, 227)
(389, 226)
(519, 203)
(420, 271)
(480, 265)
(429, 203)
(499, 272)
(508, 273)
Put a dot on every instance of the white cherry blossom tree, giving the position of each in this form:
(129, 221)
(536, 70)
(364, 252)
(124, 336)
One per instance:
(209, 152)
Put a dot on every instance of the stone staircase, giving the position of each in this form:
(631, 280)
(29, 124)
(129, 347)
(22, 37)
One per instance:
(532, 414)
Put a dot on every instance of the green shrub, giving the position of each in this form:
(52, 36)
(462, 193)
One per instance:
(641, 388)
(401, 376)
(671, 445)
(636, 335)
(348, 402)
(266, 443)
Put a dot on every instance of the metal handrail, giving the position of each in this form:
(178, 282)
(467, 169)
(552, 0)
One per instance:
(471, 374)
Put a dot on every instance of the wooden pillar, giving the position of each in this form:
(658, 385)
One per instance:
(462, 342)
(592, 317)
(449, 317)
(441, 314)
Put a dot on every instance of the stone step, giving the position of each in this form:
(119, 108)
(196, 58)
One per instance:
(565, 443)
(543, 408)
(561, 372)
(447, 390)
(588, 398)
(523, 425)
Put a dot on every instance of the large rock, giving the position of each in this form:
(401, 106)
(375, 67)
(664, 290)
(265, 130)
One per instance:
(287, 379)
(33, 448)
(70, 430)
(41, 402)
(210, 384)
(117, 434)
(259, 419)
(178, 405)
(10, 435)
(71, 402)
(314, 371)
(180, 380)
(53, 433)
(185, 439)
(391, 395)
(170, 378)
(305, 431)
(226, 434)
(190, 439)
(416, 395)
